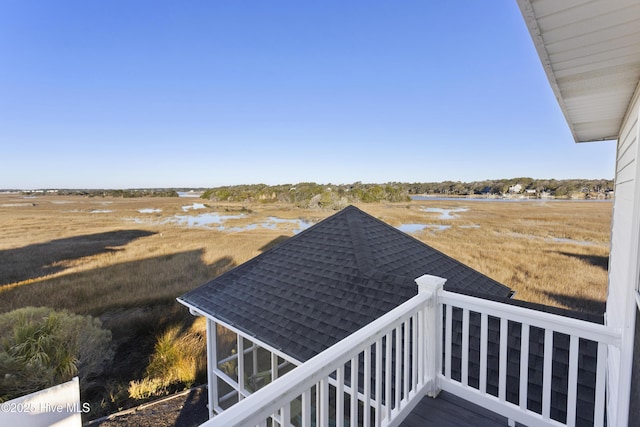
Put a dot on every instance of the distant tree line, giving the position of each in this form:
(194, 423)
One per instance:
(556, 188)
(128, 193)
(309, 194)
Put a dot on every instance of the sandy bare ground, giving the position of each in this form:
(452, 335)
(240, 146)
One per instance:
(187, 409)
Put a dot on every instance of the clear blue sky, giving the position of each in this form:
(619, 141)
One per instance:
(129, 94)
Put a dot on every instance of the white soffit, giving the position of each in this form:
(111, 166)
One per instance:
(590, 51)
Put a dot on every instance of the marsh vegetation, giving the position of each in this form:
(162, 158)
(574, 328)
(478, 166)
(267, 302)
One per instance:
(123, 261)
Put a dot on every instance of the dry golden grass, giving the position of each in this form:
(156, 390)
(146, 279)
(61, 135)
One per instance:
(516, 244)
(180, 357)
(59, 252)
(62, 255)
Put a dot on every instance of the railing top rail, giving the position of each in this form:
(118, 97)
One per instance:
(562, 324)
(261, 404)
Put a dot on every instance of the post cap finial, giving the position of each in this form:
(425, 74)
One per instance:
(429, 283)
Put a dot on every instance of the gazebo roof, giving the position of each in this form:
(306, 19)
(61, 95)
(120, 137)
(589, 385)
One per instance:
(323, 284)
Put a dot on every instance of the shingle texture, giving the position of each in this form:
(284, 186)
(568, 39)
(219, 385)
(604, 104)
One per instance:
(323, 284)
(318, 287)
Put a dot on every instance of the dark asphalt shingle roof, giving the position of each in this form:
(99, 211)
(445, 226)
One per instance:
(323, 284)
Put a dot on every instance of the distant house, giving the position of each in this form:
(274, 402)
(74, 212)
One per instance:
(515, 189)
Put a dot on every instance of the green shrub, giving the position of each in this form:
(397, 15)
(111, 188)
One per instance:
(41, 347)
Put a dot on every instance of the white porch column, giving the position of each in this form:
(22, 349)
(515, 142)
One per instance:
(212, 363)
(274, 367)
(432, 329)
(240, 365)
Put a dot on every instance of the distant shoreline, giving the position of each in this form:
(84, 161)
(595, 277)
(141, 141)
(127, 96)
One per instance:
(439, 198)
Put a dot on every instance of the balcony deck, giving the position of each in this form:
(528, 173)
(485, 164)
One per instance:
(448, 410)
(502, 366)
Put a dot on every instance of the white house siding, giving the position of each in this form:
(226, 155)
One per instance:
(624, 275)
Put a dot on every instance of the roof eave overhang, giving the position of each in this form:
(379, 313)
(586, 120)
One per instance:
(597, 129)
(195, 311)
(531, 21)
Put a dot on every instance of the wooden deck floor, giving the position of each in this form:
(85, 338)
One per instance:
(448, 410)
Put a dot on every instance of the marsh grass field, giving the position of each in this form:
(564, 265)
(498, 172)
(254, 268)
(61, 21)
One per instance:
(125, 260)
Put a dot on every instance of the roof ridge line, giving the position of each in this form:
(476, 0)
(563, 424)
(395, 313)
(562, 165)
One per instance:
(362, 249)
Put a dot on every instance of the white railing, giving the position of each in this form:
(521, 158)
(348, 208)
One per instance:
(366, 379)
(514, 330)
(377, 375)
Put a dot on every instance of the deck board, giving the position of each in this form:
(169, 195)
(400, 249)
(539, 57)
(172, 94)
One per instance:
(448, 410)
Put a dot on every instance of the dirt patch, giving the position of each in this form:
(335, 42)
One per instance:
(187, 409)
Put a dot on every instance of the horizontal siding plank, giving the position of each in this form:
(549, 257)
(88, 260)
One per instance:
(626, 171)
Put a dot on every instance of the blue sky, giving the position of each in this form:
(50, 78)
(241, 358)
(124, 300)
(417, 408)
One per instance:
(132, 94)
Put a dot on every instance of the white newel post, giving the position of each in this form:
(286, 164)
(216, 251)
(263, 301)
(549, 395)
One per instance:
(433, 329)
